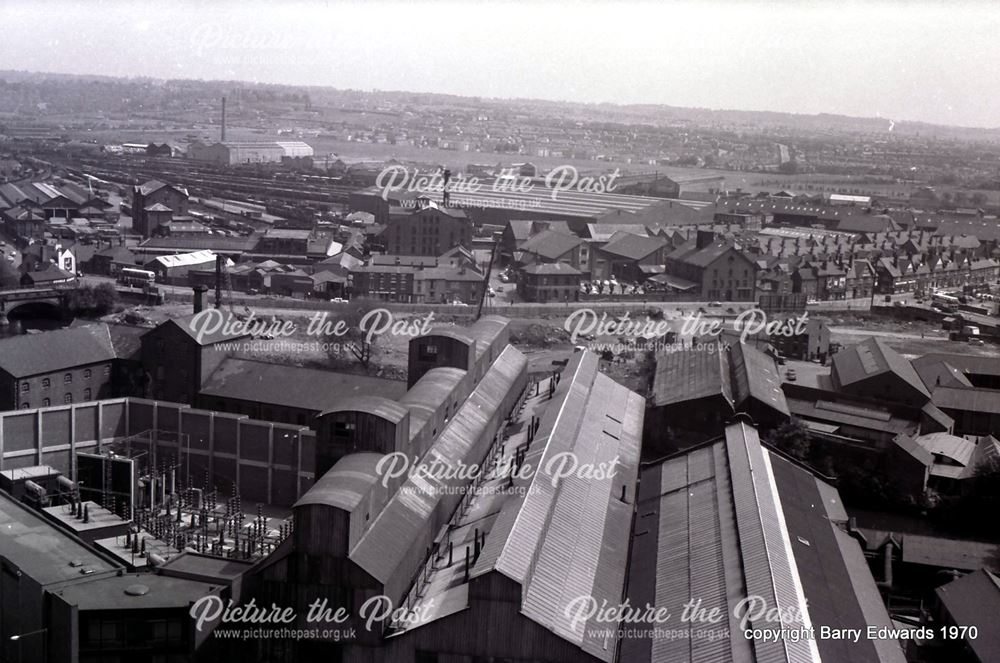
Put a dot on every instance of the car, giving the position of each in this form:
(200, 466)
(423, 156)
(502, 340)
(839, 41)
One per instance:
(338, 300)
(976, 341)
(715, 304)
(504, 278)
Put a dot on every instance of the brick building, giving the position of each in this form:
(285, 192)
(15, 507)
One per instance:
(719, 269)
(430, 231)
(71, 366)
(154, 202)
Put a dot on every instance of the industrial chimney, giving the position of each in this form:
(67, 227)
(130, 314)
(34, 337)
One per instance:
(199, 297)
(223, 120)
(704, 238)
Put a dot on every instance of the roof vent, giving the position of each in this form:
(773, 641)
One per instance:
(137, 590)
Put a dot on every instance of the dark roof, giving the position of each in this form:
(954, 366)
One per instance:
(974, 600)
(552, 269)
(117, 253)
(42, 550)
(872, 357)
(940, 374)
(210, 242)
(966, 363)
(551, 244)
(737, 374)
(60, 349)
(292, 386)
(162, 591)
(633, 247)
(730, 519)
(127, 340)
(691, 374)
(49, 274)
(689, 253)
(969, 400)
(831, 566)
(218, 333)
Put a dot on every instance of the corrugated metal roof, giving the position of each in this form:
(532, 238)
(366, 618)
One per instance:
(387, 551)
(691, 374)
(952, 447)
(345, 484)
(571, 540)
(378, 406)
(718, 536)
(486, 331)
(184, 259)
(424, 398)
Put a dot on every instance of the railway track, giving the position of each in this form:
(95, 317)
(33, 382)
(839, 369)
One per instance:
(207, 181)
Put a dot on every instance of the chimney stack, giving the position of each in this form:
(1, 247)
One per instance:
(704, 238)
(199, 297)
(223, 120)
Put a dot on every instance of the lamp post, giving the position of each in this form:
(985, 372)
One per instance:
(20, 636)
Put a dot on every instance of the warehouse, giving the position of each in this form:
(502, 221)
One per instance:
(233, 153)
(174, 269)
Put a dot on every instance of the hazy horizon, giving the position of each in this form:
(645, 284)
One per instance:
(925, 62)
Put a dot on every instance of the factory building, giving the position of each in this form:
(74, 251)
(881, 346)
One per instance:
(235, 153)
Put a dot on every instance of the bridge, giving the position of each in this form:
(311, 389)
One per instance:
(54, 296)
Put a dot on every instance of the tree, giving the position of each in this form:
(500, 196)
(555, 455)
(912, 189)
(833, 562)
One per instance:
(789, 167)
(792, 437)
(355, 340)
(8, 275)
(91, 301)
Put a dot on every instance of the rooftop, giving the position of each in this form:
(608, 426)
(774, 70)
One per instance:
(293, 386)
(43, 551)
(730, 519)
(135, 591)
(57, 350)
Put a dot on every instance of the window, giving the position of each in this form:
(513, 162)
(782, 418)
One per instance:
(46, 402)
(46, 383)
(107, 370)
(68, 398)
(86, 374)
(68, 378)
(25, 405)
(428, 352)
(343, 428)
(25, 387)
(86, 394)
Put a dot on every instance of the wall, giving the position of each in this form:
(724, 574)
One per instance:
(267, 462)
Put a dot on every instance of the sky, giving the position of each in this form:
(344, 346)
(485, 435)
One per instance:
(927, 61)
